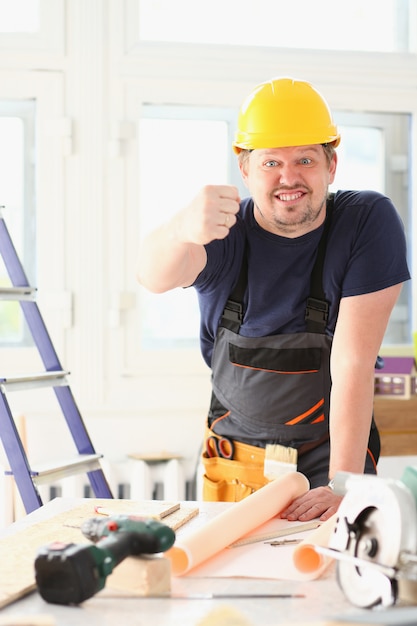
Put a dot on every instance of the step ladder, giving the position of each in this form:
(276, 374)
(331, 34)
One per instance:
(87, 460)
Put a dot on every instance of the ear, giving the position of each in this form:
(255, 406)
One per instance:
(243, 167)
(332, 168)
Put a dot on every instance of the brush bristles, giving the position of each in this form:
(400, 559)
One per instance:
(279, 460)
(284, 454)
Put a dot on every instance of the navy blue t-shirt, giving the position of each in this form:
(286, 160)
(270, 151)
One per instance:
(366, 252)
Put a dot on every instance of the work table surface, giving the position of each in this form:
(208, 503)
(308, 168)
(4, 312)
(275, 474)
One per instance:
(323, 601)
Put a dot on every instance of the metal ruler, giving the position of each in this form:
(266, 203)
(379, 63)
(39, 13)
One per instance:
(282, 532)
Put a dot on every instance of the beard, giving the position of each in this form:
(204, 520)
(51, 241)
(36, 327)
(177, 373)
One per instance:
(289, 218)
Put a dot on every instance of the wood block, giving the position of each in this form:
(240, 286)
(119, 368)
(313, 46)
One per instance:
(397, 424)
(142, 576)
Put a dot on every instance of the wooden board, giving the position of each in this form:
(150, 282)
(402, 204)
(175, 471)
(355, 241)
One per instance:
(18, 552)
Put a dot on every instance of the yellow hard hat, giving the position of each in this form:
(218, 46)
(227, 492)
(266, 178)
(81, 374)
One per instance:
(284, 112)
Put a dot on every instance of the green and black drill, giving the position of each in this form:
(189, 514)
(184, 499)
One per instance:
(68, 573)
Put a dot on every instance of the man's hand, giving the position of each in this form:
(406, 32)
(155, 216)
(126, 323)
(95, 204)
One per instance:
(321, 502)
(173, 255)
(210, 215)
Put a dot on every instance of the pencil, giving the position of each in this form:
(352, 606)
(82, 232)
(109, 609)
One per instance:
(218, 596)
(101, 510)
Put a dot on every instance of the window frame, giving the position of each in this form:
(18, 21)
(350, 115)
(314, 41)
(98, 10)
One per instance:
(50, 38)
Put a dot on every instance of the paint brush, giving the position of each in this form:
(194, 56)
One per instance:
(279, 460)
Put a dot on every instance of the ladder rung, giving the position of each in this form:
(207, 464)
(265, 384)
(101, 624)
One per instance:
(17, 293)
(34, 381)
(49, 472)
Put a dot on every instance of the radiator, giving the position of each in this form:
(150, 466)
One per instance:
(132, 479)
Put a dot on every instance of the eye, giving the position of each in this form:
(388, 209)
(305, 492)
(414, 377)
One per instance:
(305, 161)
(271, 163)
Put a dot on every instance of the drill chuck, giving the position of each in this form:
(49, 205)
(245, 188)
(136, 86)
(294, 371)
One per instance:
(158, 537)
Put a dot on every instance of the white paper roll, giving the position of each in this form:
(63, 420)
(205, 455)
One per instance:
(237, 521)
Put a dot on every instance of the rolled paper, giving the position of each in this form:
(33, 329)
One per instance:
(306, 559)
(236, 521)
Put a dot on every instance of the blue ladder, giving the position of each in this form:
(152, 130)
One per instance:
(87, 460)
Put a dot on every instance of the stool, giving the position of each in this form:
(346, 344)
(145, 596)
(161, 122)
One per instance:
(146, 468)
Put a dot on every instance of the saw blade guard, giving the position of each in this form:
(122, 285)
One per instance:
(376, 524)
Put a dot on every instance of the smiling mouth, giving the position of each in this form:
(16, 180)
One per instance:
(289, 197)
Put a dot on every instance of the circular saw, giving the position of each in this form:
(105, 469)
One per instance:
(375, 541)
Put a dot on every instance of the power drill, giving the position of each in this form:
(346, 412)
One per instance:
(68, 573)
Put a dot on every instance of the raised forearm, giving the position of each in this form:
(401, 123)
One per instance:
(166, 262)
(174, 254)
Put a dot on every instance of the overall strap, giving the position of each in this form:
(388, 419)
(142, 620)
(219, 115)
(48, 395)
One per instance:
(317, 309)
(232, 316)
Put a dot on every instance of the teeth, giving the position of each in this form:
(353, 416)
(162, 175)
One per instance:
(289, 196)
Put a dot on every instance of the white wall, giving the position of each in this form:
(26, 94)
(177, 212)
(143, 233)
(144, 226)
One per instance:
(90, 75)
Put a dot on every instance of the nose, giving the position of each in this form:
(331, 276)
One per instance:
(287, 174)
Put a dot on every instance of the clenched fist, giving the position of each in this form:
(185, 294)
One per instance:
(210, 215)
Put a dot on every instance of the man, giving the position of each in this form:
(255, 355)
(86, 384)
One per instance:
(295, 290)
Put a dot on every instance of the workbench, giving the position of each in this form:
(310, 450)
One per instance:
(321, 603)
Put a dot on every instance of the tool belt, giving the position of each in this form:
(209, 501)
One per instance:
(231, 480)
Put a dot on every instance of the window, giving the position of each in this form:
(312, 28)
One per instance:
(374, 25)
(17, 147)
(170, 139)
(19, 16)
(375, 154)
